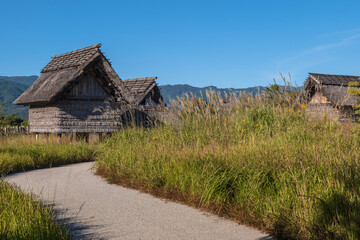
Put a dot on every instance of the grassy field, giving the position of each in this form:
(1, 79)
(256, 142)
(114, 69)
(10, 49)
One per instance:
(256, 160)
(23, 216)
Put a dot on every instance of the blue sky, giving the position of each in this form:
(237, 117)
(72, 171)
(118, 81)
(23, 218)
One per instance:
(201, 43)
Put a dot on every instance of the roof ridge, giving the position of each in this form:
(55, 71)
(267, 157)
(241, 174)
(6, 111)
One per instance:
(72, 59)
(145, 78)
(98, 45)
(324, 74)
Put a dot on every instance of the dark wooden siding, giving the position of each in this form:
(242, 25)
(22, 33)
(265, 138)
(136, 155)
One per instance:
(87, 88)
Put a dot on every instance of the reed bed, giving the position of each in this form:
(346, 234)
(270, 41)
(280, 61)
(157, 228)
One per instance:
(253, 159)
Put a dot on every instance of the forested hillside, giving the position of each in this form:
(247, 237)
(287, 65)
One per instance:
(26, 80)
(9, 91)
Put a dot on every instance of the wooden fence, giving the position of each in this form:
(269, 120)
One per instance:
(6, 131)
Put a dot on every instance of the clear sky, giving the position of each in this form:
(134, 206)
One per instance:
(221, 43)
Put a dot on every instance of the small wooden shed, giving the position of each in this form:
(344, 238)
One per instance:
(77, 92)
(326, 95)
(144, 91)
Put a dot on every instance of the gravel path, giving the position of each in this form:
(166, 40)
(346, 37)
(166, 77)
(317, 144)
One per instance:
(94, 209)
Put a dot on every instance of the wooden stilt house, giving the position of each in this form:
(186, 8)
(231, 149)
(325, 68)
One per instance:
(326, 95)
(77, 92)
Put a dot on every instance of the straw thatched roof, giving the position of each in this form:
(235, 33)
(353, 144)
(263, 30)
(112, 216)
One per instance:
(142, 88)
(63, 71)
(333, 87)
(335, 80)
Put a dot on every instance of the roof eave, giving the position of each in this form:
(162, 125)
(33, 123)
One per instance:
(30, 103)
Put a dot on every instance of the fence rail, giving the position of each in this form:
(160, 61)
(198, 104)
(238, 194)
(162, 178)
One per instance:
(6, 131)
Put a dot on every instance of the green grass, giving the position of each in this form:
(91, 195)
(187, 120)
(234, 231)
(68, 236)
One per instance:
(23, 216)
(256, 161)
(24, 153)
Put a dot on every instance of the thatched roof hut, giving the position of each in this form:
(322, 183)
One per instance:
(66, 70)
(328, 94)
(144, 91)
(79, 92)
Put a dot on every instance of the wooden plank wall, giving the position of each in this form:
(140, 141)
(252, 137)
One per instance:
(89, 116)
(88, 88)
(44, 119)
(87, 108)
(318, 111)
(75, 116)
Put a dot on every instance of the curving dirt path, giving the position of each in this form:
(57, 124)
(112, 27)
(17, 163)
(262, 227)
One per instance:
(94, 209)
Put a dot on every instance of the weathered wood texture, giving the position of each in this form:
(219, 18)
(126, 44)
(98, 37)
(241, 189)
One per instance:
(320, 106)
(143, 89)
(86, 108)
(327, 96)
(63, 71)
(318, 111)
(79, 92)
(75, 116)
(87, 88)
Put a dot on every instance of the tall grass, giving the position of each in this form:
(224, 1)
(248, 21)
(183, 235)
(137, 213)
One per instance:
(23, 216)
(21, 153)
(254, 159)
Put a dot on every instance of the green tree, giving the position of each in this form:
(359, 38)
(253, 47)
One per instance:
(9, 120)
(12, 120)
(25, 123)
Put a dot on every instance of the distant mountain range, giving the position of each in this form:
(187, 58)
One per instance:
(12, 87)
(25, 80)
(173, 91)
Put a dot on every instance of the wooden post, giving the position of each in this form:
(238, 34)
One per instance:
(59, 135)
